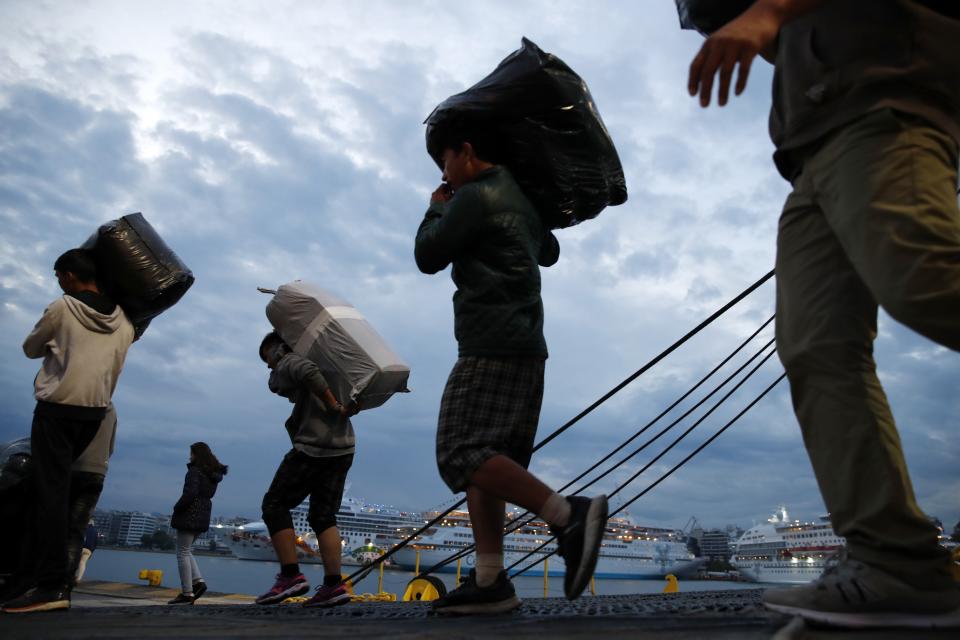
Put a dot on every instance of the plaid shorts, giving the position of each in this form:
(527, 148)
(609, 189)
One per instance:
(299, 476)
(490, 407)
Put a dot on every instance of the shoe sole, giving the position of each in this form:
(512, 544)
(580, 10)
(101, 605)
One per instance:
(488, 608)
(949, 620)
(326, 604)
(593, 528)
(43, 606)
(292, 592)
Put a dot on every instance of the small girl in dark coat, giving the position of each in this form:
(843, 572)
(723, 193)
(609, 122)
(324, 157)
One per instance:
(191, 517)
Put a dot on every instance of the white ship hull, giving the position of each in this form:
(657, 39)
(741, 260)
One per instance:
(780, 572)
(617, 568)
(366, 531)
(260, 548)
(782, 551)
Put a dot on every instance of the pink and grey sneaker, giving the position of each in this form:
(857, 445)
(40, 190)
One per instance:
(285, 588)
(328, 597)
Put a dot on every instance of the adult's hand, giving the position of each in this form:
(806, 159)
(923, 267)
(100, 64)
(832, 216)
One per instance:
(350, 409)
(443, 193)
(736, 44)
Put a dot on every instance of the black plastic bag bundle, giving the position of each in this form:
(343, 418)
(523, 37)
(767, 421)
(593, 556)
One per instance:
(137, 269)
(706, 16)
(549, 134)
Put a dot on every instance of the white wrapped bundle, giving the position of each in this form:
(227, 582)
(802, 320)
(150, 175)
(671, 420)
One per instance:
(357, 363)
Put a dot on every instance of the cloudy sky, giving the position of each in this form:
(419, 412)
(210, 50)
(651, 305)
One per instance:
(273, 141)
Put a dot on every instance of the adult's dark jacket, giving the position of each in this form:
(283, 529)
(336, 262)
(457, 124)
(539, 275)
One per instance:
(192, 511)
(496, 241)
(850, 57)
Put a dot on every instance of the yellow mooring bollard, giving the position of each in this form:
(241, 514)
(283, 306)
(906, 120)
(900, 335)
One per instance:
(673, 586)
(153, 576)
(424, 588)
(546, 576)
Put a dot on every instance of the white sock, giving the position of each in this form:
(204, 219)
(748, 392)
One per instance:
(556, 510)
(489, 566)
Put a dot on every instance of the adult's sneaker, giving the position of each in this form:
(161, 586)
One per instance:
(285, 588)
(578, 543)
(856, 595)
(39, 599)
(328, 597)
(471, 598)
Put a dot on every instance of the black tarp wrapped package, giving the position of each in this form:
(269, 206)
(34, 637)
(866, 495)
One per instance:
(706, 16)
(548, 133)
(137, 269)
(355, 360)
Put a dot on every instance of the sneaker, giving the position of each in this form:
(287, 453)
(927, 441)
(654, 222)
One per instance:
(285, 588)
(39, 599)
(199, 588)
(856, 595)
(182, 598)
(328, 597)
(469, 597)
(578, 543)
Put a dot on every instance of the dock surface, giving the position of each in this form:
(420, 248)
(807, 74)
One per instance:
(115, 610)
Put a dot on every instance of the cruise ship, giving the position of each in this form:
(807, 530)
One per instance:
(628, 551)
(366, 530)
(785, 551)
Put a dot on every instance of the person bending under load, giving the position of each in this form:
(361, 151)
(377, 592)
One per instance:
(83, 339)
(481, 222)
(866, 121)
(317, 466)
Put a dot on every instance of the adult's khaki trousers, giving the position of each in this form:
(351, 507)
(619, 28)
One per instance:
(873, 219)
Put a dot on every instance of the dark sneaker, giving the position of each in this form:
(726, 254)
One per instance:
(469, 597)
(578, 543)
(285, 588)
(856, 595)
(328, 597)
(39, 599)
(182, 598)
(199, 588)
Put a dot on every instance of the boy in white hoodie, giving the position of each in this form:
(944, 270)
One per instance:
(83, 339)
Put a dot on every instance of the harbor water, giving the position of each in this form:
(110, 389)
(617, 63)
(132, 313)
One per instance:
(230, 575)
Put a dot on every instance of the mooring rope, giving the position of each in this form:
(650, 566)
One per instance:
(364, 570)
(658, 480)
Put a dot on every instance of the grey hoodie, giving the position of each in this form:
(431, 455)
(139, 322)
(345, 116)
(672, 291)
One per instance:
(314, 428)
(83, 352)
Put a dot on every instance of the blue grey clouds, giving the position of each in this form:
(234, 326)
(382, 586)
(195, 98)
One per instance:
(281, 141)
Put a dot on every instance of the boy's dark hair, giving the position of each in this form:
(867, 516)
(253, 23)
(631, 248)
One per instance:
(485, 138)
(270, 340)
(79, 262)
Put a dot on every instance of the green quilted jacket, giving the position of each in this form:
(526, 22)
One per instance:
(496, 241)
